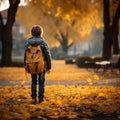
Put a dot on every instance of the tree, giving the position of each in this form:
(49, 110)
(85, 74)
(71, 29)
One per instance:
(6, 32)
(67, 24)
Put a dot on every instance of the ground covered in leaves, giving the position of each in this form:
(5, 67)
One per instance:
(61, 102)
(76, 102)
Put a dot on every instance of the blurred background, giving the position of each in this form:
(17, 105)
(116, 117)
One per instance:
(72, 28)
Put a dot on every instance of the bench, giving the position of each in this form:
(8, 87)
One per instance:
(112, 63)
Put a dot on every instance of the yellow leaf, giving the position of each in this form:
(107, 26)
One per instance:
(101, 95)
(89, 80)
(90, 83)
(58, 102)
(23, 82)
(96, 77)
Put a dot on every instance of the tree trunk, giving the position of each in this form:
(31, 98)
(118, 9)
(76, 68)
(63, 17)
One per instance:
(64, 43)
(107, 41)
(6, 33)
(115, 30)
(115, 41)
(6, 47)
(110, 33)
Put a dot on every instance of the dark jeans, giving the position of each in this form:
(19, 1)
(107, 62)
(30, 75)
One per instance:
(40, 79)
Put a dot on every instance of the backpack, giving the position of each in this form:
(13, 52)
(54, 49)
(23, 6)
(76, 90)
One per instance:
(34, 60)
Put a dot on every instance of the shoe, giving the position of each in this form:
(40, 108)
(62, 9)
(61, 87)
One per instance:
(34, 101)
(41, 100)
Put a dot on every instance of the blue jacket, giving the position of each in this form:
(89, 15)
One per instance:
(45, 49)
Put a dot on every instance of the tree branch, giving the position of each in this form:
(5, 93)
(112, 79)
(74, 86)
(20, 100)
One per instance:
(116, 18)
(12, 11)
(58, 38)
(70, 45)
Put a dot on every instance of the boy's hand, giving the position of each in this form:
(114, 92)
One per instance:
(48, 71)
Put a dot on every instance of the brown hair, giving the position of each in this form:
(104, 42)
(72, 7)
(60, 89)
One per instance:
(37, 30)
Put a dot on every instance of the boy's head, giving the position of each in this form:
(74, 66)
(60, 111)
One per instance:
(37, 30)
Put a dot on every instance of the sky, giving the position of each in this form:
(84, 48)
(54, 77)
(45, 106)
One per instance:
(5, 4)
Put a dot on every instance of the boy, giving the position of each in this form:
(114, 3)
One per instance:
(37, 39)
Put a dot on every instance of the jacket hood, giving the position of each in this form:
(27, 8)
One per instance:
(35, 40)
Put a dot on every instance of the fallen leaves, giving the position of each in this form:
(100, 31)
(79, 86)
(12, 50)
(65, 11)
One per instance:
(69, 102)
(61, 101)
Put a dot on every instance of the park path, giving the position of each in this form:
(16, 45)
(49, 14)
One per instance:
(110, 82)
(61, 74)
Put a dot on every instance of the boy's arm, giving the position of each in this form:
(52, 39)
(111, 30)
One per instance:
(26, 46)
(47, 55)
